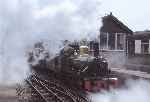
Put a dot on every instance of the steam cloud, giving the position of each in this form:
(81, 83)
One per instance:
(24, 22)
(135, 91)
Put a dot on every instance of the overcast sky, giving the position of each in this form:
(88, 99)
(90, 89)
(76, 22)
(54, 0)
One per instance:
(134, 13)
(24, 22)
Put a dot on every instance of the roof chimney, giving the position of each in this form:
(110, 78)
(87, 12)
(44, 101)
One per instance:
(111, 13)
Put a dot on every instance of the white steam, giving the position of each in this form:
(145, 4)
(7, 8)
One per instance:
(135, 91)
(24, 22)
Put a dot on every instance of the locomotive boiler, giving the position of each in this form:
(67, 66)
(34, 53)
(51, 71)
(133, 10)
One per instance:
(80, 68)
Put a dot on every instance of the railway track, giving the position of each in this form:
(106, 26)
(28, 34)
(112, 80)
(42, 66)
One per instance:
(59, 86)
(53, 91)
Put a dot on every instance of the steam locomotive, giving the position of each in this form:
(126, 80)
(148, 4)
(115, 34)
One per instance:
(81, 68)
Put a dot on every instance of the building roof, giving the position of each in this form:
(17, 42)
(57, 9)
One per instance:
(141, 34)
(145, 32)
(118, 22)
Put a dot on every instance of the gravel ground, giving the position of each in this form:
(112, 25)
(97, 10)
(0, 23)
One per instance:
(8, 94)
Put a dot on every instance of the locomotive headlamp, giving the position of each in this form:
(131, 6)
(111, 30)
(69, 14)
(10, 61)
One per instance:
(104, 61)
(101, 57)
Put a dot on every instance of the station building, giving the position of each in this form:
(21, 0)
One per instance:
(122, 47)
(139, 51)
(113, 40)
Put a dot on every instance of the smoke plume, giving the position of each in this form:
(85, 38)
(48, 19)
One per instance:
(134, 91)
(24, 22)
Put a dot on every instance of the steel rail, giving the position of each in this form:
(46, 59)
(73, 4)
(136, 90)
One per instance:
(64, 92)
(68, 91)
(30, 83)
(56, 93)
(50, 91)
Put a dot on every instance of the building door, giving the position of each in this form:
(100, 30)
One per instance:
(137, 46)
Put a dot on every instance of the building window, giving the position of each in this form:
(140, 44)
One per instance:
(103, 41)
(112, 41)
(144, 46)
(120, 41)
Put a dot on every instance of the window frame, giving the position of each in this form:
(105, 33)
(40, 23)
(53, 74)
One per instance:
(116, 42)
(143, 44)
